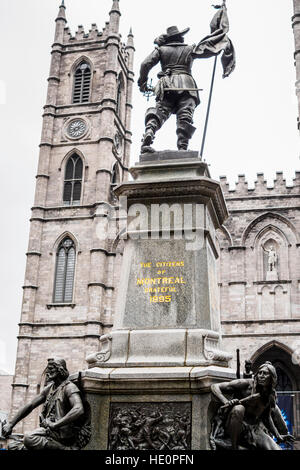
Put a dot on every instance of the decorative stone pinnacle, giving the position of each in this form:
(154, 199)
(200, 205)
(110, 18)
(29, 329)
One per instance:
(62, 14)
(130, 39)
(115, 7)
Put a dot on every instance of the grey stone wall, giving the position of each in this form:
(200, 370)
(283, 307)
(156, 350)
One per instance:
(259, 312)
(296, 29)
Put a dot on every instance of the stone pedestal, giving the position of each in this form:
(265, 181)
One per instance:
(272, 275)
(170, 405)
(164, 352)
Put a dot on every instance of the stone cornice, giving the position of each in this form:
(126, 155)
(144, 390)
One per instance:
(56, 79)
(104, 170)
(240, 247)
(55, 324)
(259, 335)
(260, 322)
(60, 305)
(102, 250)
(60, 219)
(33, 253)
(100, 284)
(84, 206)
(43, 176)
(237, 283)
(76, 105)
(84, 48)
(297, 15)
(263, 283)
(202, 187)
(262, 197)
(60, 337)
(296, 53)
(110, 71)
(263, 209)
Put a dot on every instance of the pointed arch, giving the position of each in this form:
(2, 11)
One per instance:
(268, 229)
(62, 236)
(73, 177)
(269, 345)
(64, 270)
(77, 62)
(118, 243)
(115, 175)
(281, 356)
(68, 155)
(82, 79)
(273, 215)
(223, 232)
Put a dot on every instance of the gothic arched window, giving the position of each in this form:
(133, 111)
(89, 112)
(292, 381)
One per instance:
(115, 177)
(73, 181)
(119, 95)
(82, 83)
(64, 271)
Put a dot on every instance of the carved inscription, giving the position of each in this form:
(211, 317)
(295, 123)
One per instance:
(145, 426)
(162, 279)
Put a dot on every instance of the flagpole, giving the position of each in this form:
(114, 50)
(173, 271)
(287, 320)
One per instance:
(210, 96)
(208, 107)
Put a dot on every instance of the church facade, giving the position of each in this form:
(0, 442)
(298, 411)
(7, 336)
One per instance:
(72, 270)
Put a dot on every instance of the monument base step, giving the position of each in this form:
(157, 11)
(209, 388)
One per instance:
(161, 408)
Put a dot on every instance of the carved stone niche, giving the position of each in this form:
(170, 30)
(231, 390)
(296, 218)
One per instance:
(150, 426)
(271, 239)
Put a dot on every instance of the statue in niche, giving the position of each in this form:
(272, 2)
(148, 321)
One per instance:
(272, 258)
(65, 416)
(248, 417)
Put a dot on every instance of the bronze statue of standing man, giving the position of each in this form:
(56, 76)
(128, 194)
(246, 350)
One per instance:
(176, 91)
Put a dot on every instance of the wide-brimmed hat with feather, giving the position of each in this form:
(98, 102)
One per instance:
(174, 31)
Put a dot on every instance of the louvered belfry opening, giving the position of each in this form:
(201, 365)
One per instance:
(82, 83)
(64, 273)
(73, 181)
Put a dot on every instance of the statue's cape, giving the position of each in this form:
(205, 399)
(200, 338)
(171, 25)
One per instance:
(217, 42)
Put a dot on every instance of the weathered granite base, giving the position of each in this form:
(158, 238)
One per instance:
(163, 408)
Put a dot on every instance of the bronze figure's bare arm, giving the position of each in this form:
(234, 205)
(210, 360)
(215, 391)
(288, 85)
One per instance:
(75, 412)
(24, 412)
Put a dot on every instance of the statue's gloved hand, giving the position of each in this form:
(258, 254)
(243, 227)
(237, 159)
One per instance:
(7, 429)
(142, 86)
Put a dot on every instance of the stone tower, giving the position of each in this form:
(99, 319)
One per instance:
(71, 271)
(296, 28)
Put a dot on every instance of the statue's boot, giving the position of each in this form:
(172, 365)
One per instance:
(184, 133)
(148, 138)
(153, 122)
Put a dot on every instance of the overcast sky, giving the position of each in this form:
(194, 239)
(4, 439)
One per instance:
(253, 117)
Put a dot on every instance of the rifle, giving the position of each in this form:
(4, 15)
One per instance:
(243, 401)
